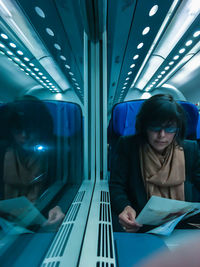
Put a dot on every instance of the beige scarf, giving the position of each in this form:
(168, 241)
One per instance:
(23, 175)
(163, 175)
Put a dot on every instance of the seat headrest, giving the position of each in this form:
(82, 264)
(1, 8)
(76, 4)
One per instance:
(124, 117)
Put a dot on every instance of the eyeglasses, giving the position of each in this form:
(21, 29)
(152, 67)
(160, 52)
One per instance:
(170, 129)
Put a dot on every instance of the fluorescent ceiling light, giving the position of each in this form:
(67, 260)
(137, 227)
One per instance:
(148, 72)
(184, 17)
(145, 95)
(16, 20)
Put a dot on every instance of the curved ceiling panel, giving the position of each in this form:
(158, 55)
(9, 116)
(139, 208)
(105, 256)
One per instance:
(58, 23)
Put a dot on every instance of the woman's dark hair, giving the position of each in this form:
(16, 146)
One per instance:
(161, 110)
(31, 115)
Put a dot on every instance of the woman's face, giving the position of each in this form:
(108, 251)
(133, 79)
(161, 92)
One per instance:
(161, 137)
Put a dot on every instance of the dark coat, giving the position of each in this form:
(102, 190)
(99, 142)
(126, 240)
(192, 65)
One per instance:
(126, 184)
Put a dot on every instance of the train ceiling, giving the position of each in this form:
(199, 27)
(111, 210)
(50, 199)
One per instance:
(137, 31)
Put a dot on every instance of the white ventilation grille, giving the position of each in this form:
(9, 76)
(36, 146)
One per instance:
(98, 246)
(105, 264)
(58, 246)
(51, 264)
(105, 238)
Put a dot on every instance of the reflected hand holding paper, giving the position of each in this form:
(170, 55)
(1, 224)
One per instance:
(55, 217)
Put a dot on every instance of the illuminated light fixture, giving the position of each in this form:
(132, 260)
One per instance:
(27, 73)
(159, 76)
(57, 46)
(181, 51)
(127, 78)
(71, 73)
(146, 30)
(188, 43)
(166, 68)
(132, 66)
(31, 64)
(145, 95)
(171, 63)
(4, 36)
(22, 64)
(58, 96)
(196, 34)
(32, 73)
(26, 59)
(28, 69)
(20, 52)
(181, 21)
(136, 57)
(130, 72)
(2, 46)
(16, 59)
(36, 69)
(78, 88)
(13, 45)
(167, 85)
(9, 53)
(2, 52)
(153, 82)
(50, 32)
(40, 73)
(163, 72)
(176, 57)
(124, 87)
(73, 79)
(44, 77)
(13, 16)
(63, 58)
(156, 80)
(47, 81)
(125, 83)
(153, 10)
(40, 12)
(67, 66)
(140, 45)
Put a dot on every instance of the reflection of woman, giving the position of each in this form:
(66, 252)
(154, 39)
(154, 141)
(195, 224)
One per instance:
(156, 161)
(25, 151)
(25, 166)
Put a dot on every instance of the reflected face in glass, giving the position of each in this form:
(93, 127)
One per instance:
(25, 139)
(160, 137)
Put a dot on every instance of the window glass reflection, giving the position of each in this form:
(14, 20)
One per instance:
(40, 163)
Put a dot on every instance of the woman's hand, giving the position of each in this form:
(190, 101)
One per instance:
(127, 220)
(55, 217)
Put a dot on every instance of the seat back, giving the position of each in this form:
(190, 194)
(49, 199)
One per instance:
(124, 115)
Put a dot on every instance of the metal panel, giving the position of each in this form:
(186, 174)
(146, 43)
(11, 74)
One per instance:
(98, 242)
(66, 246)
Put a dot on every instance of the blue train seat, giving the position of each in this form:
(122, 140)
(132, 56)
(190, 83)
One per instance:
(67, 117)
(124, 115)
(123, 120)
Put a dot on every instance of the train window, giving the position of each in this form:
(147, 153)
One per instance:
(40, 169)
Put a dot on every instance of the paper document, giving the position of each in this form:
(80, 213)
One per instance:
(167, 213)
(21, 212)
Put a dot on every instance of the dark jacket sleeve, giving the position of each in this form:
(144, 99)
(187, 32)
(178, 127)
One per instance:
(120, 166)
(192, 162)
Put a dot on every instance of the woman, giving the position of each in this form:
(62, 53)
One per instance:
(156, 161)
(25, 152)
